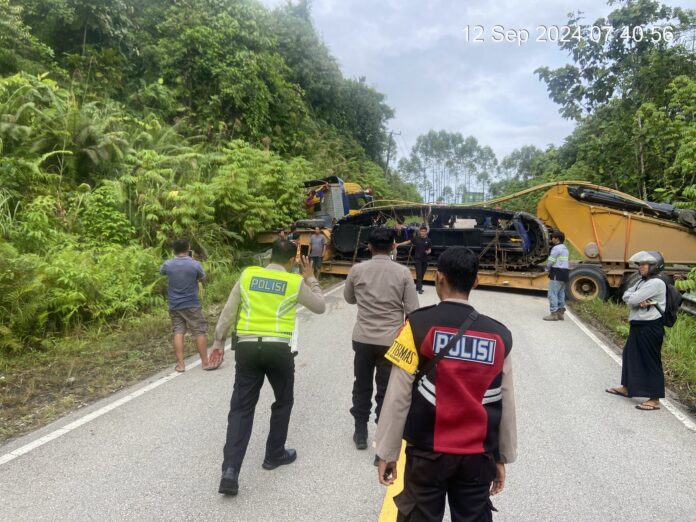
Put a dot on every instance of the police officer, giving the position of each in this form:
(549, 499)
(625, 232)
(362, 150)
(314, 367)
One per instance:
(264, 303)
(456, 412)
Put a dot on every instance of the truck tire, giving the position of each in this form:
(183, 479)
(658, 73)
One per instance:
(310, 223)
(586, 284)
(629, 280)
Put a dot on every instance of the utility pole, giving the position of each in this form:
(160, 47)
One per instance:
(389, 143)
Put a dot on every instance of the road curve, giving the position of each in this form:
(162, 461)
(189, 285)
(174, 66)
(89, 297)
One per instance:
(584, 455)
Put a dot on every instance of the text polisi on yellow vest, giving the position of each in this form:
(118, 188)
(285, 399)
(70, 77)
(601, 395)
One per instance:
(269, 302)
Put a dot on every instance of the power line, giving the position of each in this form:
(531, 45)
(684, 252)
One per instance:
(404, 148)
(389, 142)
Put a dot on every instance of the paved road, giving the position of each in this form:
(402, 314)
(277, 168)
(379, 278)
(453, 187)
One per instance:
(584, 455)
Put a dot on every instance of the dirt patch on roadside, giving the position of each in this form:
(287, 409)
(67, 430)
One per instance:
(39, 387)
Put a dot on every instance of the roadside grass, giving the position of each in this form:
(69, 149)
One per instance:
(608, 317)
(679, 356)
(37, 387)
(678, 350)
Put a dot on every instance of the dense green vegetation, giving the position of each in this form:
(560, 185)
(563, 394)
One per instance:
(125, 124)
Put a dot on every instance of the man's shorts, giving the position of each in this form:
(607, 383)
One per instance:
(316, 261)
(189, 320)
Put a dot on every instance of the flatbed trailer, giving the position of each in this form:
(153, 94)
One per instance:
(604, 225)
(527, 280)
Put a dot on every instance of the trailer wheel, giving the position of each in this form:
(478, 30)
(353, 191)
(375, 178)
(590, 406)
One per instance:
(310, 223)
(630, 279)
(586, 284)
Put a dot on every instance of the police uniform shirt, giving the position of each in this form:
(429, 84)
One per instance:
(310, 296)
(466, 404)
(384, 293)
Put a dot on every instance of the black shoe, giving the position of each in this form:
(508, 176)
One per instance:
(420, 291)
(360, 438)
(229, 484)
(376, 462)
(288, 457)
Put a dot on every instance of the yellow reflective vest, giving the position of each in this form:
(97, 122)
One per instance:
(269, 302)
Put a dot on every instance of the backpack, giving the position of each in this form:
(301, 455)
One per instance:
(674, 301)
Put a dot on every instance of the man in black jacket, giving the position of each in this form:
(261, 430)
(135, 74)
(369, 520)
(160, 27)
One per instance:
(458, 417)
(422, 246)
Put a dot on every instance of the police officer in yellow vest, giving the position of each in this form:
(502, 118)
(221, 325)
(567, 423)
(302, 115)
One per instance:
(264, 303)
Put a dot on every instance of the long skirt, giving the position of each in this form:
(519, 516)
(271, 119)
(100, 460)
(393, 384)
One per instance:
(641, 371)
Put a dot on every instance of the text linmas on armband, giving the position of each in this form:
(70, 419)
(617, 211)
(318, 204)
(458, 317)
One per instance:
(403, 352)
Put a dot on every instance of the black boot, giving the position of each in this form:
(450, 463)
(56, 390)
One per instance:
(229, 484)
(360, 436)
(288, 457)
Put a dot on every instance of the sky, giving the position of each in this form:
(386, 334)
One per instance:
(417, 54)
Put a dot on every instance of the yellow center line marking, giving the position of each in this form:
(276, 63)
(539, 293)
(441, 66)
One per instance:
(389, 511)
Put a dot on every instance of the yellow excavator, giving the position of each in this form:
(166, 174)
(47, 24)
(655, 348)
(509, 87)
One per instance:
(604, 225)
(607, 227)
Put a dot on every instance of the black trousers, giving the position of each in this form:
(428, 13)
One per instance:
(421, 268)
(368, 357)
(430, 478)
(254, 361)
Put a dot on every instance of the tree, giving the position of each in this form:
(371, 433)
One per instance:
(439, 160)
(635, 67)
(70, 26)
(226, 73)
(311, 65)
(364, 114)
(19, 49)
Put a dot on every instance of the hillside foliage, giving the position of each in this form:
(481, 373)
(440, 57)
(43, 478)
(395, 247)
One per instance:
(127, 124)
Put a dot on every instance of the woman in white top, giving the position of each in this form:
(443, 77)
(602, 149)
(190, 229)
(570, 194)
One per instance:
(641, 371)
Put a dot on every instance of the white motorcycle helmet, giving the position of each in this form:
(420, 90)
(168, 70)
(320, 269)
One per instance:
(649, 257)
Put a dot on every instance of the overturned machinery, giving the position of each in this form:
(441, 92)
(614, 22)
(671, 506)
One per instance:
(504, 240)
(604, 225)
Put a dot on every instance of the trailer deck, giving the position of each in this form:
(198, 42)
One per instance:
(527, 280)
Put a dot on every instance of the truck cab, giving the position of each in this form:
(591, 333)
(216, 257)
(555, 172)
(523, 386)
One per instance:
(330, 199)
(358, 197)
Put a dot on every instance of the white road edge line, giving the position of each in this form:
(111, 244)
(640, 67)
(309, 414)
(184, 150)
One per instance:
(23, 450)
(686, 421)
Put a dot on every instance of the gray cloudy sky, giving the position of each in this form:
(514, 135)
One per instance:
(416, 53)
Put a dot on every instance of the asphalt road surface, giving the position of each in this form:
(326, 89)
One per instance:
(583, 454)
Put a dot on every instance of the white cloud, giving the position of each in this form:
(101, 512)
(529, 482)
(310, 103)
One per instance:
(414, 51)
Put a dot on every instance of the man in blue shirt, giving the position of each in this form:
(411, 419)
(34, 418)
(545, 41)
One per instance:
(184, 273)
(559, 271)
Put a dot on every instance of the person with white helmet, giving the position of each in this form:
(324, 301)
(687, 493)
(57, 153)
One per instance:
(641, 370)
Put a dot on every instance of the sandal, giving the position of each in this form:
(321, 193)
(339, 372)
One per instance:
(615, 391)
(647, 407)
(180, 370)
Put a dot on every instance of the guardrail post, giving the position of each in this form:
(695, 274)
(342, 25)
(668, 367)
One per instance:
(689, 304)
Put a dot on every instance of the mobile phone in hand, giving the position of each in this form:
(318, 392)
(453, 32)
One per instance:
(190, 253)
(387, 473)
